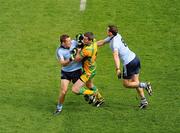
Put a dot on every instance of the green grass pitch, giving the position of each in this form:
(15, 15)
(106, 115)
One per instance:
(29, 72)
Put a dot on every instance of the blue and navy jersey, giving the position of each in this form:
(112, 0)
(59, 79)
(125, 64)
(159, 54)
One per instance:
(64, 54)
(117, 43)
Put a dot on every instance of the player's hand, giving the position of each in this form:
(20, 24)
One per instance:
(118, 72)
(74, 52)
(72, 57)
(80, 45)
(78, 50)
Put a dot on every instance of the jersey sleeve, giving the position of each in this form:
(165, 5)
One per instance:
(107, 39)
(115, 45)
(59, 55)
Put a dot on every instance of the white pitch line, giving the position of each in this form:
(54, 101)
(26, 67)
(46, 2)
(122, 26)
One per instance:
(82, 5)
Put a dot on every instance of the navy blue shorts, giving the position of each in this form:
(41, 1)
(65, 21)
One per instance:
(131, 68)
(71, 76)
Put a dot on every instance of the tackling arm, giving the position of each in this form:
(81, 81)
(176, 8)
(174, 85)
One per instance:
(100, 43)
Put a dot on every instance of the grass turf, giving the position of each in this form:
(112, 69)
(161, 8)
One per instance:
(29, 73)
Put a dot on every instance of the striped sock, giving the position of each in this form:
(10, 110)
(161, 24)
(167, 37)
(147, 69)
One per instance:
(86, 91)
(143, 100)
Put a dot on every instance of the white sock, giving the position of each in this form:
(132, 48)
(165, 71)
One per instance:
(59, 106)
(142, 85)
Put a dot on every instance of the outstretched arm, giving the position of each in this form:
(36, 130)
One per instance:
(100, 43)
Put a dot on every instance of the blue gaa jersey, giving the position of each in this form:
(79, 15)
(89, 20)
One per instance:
(117, 43)
(64, 54)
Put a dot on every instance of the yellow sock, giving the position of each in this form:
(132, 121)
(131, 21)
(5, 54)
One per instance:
(88, 92)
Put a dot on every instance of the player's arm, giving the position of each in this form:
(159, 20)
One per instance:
(116, 59)
(100, 43)
(117, 63)
(64, 62)
(61, 60)
(78, 56)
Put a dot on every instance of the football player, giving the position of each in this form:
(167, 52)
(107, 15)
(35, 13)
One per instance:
(130, 61)
(88, 56)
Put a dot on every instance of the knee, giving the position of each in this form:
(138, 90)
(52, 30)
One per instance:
(63, 91)
(125, 84)
(75, 89)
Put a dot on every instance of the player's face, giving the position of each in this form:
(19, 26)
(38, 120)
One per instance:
(67, 42)
(85, 40)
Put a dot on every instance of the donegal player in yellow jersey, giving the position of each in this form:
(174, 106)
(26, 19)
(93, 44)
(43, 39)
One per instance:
(88, 56)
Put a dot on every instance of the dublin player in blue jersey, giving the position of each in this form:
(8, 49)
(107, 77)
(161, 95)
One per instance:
(70, 70)
(130, 62)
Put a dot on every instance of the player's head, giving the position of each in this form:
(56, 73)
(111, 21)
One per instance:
(112, 30)
(65, 40)
(88, 38)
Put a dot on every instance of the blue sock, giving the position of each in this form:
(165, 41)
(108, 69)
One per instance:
(59, 106)
(142, 85)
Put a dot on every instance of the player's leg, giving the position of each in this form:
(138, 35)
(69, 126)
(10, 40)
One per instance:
(140, 91)
(130, 74)
(64, 88)
(134, 84)
(131, 79)
(62, 94)
(129, 83)
(98, 99)
(78, 88)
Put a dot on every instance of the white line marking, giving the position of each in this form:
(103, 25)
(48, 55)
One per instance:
(82, 5)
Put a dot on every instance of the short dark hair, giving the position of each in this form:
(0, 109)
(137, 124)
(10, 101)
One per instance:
(63, 38)
(89, 35)
(113, 29)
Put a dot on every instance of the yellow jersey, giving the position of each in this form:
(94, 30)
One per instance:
(89, 54)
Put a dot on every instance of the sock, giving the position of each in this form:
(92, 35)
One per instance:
(94, 88)
(59, 106)
(99, 96)
(142, 85)
(86, 91)
(143, 100)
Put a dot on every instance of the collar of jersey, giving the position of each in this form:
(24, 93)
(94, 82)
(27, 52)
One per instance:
(64, 47)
